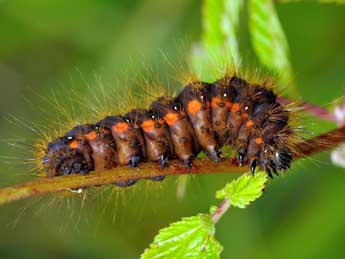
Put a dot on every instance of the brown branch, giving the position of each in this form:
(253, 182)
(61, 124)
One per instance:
(147, 170)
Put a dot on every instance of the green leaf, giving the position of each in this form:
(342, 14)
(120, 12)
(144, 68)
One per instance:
(269, 41)
(209, 52)
(212, 12)
(192, 237)
(245, 189)
(320, 1)
(230, 24)
(219, 47)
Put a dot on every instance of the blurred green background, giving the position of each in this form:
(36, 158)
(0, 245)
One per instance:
(61, 45)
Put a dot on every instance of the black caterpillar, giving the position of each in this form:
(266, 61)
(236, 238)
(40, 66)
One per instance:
(203, 117)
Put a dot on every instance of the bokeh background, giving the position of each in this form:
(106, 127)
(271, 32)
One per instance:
(63, 45)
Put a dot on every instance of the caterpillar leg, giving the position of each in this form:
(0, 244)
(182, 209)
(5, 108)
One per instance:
(163, 161)
(187, 163)
(133, 161)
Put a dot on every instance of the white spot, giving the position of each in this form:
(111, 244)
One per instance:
(127, 120)
(225, 95)
(246, 108)
(152, 116)
(202, 97)
(277, 155)
(338, 156)
(175, 108)
(69, 137)
(79, 191)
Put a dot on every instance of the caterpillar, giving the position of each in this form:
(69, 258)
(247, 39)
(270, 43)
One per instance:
(203, 117)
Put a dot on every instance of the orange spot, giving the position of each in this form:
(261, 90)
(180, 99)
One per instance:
(106, 131)
(249, 123)
(235, 107)
(120, 127)
(91, 135)
(228, 105)
(171, 118)
(244, 116)
(215, 102)
(148, 125)
(74, 144)
(258, 140)
(208, 105)
(194, 106)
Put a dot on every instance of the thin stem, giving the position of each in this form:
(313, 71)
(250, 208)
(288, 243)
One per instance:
(312, 109)
(220, 211)
(147, 170)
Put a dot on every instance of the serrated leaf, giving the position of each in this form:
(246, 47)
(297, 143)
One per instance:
(192, 237)
(245, 189)
(269, 41)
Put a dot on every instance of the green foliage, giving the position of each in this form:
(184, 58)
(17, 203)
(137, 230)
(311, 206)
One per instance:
(219, 45)
(242, 191)
(212, 17)
(268, 39)
(229, 25)
(319, 1)
(220, 41)
(191, 237)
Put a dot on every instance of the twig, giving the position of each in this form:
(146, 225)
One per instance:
(220, 211)
(312, 109)
(147, 170)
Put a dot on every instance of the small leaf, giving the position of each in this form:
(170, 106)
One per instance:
(245, 189)
(269, 40)
(191, 237)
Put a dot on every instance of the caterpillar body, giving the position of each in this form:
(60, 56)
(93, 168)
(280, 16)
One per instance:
(202, 117)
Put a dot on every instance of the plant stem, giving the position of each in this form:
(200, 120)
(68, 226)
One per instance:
(221, 209)
(149, 169)
(312, 109)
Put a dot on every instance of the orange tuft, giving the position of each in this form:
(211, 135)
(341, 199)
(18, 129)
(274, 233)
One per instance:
(249, 123)
(244, 116)
(228, 105)
(258, 140)
(235, 107)
(148, 125)
(120, 127)
(171, 118)
(194, 106)
(215, 102)
(208, 105)
(74, 144)
(91, 135)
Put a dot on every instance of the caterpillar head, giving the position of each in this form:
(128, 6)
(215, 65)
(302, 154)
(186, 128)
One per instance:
(69, 154)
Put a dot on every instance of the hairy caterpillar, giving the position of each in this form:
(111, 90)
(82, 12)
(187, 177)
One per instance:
(202, 117)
